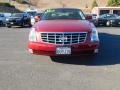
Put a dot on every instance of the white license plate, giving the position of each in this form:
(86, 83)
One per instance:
(63, 50)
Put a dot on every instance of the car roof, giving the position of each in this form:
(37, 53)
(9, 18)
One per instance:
(64, 9)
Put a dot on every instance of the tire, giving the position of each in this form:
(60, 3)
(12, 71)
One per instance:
(23, 25)
(30, 25)
(98, 25)
(9, 26)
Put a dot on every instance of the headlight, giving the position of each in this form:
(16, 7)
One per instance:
(94, 35)
(32, 35)
(7, 19)
(32, 21)
(112, 20)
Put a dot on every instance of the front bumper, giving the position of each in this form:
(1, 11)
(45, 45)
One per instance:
(14, 23)
(117, 23)
(50, 49)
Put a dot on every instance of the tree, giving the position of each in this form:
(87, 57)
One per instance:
(113, 3)
(94, 4)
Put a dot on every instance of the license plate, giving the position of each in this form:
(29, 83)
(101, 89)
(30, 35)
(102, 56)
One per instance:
(63, 50)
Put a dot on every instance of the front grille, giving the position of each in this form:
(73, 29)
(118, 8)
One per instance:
(14, 21)
(64, 38)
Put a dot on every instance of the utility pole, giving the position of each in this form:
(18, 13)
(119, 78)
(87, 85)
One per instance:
(63, 5)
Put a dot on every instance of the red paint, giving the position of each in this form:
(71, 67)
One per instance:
(63, 26)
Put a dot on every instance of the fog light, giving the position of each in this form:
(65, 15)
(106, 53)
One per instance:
(96, 50)
(30, 50)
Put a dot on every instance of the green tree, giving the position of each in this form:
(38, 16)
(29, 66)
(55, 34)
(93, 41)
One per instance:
(94, 4)
(113, 3)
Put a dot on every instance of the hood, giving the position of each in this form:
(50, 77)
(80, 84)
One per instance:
(63, 26)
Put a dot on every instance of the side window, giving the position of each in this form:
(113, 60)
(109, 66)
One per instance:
(82, 15)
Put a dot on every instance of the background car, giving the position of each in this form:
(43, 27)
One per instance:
(106, 19)
(18, 19)
(36, 18)
(116, 21)
(2, 19)
(63, 31)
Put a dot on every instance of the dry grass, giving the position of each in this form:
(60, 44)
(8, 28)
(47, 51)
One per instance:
(44, 4)
(66, 3)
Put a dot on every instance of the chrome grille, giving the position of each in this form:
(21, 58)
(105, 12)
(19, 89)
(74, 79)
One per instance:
(64, 38)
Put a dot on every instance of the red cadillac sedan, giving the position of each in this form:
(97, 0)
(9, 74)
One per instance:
(63, 31)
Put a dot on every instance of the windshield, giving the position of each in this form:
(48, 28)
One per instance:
(69, 14)
(17, 15)
(109, 16)
(31, 13)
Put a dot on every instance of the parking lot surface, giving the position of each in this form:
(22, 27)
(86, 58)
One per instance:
(20, 70)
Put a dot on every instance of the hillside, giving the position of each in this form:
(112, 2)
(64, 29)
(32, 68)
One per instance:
(66, 3)
(44, 4)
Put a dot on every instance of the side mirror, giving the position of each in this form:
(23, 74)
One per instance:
(88, 17)
(37, 18)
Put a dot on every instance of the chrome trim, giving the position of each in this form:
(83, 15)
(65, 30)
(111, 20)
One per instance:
(71, 39)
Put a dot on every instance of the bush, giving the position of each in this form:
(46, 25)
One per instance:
(6, 5)
(94, 4)
(22, 1)
(113, 3)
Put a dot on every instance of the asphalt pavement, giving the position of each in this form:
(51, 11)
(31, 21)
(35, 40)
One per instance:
(20, 70)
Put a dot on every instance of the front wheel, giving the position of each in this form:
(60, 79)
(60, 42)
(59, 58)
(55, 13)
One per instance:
(23, 25)
(30, 25)
(9, 26)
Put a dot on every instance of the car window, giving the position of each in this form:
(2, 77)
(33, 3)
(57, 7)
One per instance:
(69, 14)
(31, 13)
(109, 16)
